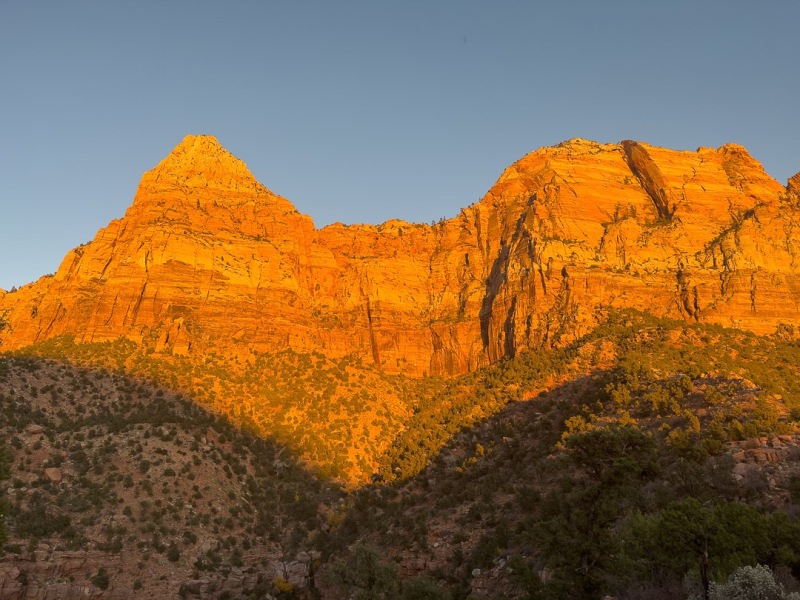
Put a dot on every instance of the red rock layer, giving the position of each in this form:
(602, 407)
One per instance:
(207, 259)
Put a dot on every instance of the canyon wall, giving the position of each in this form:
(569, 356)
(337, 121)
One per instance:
(207, 259)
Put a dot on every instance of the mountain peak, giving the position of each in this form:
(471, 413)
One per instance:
(199, 174)
(202, 157)
(202, 144)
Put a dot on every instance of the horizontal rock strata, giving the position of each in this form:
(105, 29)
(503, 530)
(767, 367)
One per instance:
(207, 259)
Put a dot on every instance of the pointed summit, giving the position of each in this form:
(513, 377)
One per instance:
(200, 175)
(200, 160)
(196, 145)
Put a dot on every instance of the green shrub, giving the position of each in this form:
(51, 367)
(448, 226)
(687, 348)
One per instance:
(173, 554)
(750, 583)
(101, 580)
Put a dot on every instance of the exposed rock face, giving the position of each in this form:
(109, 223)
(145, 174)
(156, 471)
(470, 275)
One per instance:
(67, 574)
(53, 574)
(207, 258)
(53, 474)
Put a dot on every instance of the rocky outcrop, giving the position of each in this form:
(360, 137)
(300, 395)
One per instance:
(55, 575)
(207, 259)
(768, 466)
(765, 450)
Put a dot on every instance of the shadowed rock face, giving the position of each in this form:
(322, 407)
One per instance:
(208, 259)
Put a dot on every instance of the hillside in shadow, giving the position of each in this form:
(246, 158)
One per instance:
(644, 460)
(116, 484)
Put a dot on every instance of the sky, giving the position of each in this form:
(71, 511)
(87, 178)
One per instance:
(362, 111)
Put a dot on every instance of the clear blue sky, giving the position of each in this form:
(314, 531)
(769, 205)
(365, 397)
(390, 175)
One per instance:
(365, 111)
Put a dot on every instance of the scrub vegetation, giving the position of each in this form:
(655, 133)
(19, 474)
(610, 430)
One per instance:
(650, 459)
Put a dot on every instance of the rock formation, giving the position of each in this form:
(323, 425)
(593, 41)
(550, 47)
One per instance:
(207, 259)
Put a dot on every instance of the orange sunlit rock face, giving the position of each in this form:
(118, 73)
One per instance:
(208, 259)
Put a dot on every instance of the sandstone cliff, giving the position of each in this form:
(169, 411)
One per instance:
(207, 259)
